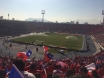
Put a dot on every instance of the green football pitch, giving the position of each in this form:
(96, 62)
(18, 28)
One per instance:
(55, 39)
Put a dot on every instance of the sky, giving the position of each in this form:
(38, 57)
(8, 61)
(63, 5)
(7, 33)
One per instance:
(55, 10)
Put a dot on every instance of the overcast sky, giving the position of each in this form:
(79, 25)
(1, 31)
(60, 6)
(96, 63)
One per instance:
(60, 10)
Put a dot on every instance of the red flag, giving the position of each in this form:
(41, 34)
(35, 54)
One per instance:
(45, 48)
(46, 58)
(24, 55)
(45, 53)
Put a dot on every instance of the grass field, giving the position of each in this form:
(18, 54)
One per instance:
(55, 39)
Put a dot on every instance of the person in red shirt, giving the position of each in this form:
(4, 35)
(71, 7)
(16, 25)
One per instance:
(27, 66)
(57, 72)
(77, 68)
(101, 71)
(69, 73)
(95, 74)
(72, 65)
(33, 69)
(51, 67)
(84, 72)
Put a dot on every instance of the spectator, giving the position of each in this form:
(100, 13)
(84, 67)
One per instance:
(69, 73)
(32, 68)
(21, 65)
(84, 72)
(49, 75)
(76, 76)
(38, 75)
(95, 74)
(101, 71)
(2, 74)
(57, 73)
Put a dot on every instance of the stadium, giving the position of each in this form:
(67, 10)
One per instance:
(72, 39)
(46, 49)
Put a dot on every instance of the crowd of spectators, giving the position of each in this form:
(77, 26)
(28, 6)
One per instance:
(17, 28)
(21, 27)
(74, 67)
(11, 28)
(100, 38)
(64, 28)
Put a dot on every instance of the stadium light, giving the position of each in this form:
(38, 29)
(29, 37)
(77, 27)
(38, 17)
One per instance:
(103, 15)
(8, 16)
(43, 12)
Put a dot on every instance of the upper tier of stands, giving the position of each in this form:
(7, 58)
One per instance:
(9, 28)
(16, 28)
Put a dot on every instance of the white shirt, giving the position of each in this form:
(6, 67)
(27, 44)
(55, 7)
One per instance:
(57, 73)
(27, 74)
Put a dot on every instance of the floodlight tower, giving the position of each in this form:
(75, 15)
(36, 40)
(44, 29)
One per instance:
(43, 12)
(8, 16)
(103, 19)
(103, 15)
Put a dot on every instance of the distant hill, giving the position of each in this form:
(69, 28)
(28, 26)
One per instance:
(36, 19)
(81, 21)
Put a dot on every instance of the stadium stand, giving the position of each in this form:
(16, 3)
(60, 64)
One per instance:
(73, 65)
(21, 27)
(40, 68)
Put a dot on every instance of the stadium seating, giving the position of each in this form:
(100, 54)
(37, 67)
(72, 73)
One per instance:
(72, 64)
(20, 27)
(16, 28)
